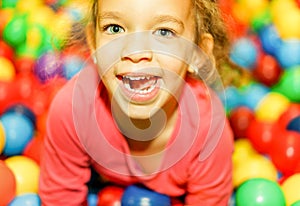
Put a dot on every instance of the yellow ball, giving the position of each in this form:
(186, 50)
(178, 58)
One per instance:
(26, 172)
(2, 138)
(42, 16)
(271, 107)
(242, 151)
(256, 166)
(28, 5)
(291, 189)
(7, 70)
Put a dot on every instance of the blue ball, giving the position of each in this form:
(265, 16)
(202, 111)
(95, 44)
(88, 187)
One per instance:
(270, 39)
(139, 196)
(29, 199)
(244, 53)
(23, 110)
(252, 94)
(92, 199)
(288, 55)
(72, 64)
(294, 124)
(231, 98)
(18, 130)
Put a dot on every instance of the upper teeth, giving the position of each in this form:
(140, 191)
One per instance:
(137, 77)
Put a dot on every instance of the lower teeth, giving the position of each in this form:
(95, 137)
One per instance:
(143, 91)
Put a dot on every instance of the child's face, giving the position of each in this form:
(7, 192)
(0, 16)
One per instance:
(141, 71)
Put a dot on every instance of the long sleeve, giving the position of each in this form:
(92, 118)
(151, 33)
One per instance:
(65, 164)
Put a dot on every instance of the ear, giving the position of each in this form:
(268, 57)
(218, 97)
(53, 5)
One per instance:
(90, 37)
(207, 44)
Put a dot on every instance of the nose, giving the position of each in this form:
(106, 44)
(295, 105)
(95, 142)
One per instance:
(137, 48)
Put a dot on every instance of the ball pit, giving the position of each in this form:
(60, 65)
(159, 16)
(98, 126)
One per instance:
(264, 113)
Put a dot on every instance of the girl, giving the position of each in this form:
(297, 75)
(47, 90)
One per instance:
(142, 113)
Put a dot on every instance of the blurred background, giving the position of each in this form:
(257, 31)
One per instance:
(263, 108)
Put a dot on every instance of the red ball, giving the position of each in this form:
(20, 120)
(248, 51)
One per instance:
(8, 95)
(7, 185)
(240, 119)
(34, 149)
(261, 135)
(6, 51)
(25, 84)
(24, 64)
(267, 71)
(110, 196)
(285, 152)
(292, 111)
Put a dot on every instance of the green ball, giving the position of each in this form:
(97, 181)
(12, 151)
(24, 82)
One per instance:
(9, 3)
(259, 192)
(297, 203)
(261, 20)
(14, 32)
(289, 84)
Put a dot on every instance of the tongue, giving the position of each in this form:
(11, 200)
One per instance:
(142, 84)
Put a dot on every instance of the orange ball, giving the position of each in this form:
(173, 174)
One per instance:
(7, 184)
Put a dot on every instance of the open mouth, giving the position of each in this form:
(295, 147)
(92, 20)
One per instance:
(140, 87)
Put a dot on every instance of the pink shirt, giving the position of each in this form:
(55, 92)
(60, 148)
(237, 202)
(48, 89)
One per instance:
(81, 133)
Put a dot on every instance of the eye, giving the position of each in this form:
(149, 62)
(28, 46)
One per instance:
(113, 29)
(164, 33)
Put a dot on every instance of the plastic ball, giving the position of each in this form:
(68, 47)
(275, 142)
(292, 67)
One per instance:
(290, 113)
(243, 149)
(25, 84)
(288, 55)
(294, 124)
(92, 199)
(231, 98)
(267, 70)
(18, 132)
(289, 84)
(285, 152)
(271, 107)
(2, 138)
(252, 94)
(240, 119)
(8, 95)
(7, 70)
(34, 149)
(256, 166)
(72, 64)
(6, 51)
(14, 32)
(48, 66)
(26, 172)
(29, 199)
(261, 134)
(260, 20)
(297, 203)
(138, 196)
(25, 64)
(8, 184)
(244, 53)
(110, 196)
(260, 192)
(42, 16)
(22, 110)
(270, 39)
(9, 3)
(290, 188)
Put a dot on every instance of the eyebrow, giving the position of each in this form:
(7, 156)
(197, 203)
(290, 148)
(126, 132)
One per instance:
(158, 19)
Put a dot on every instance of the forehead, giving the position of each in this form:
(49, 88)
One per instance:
(141, 8)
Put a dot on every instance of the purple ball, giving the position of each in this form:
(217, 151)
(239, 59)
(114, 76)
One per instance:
(48, 66)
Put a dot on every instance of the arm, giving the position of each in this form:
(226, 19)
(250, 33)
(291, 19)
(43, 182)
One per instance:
(210, 180)
(65, 164)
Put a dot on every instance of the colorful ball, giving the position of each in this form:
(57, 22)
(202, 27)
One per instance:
(289, 84)
(6, 51)
(270, 39)
(110, 195)
(29, 199)
(297, 203)
(240, 119)
(290, 113)
(242, 150)
(244, 53)
(261, 135)
(271, 107)
(137, 196)
(72, 64)
(256, 166)
(285, 152)
(48, 66)
(22, 110)
(8, 184)
(18, 132)
(7, 70)
(290, 188)
(14, 32)
(288, 54)
(2, 138)
(294, 124)
(267, 70)
(26, 172)
(260, 192)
